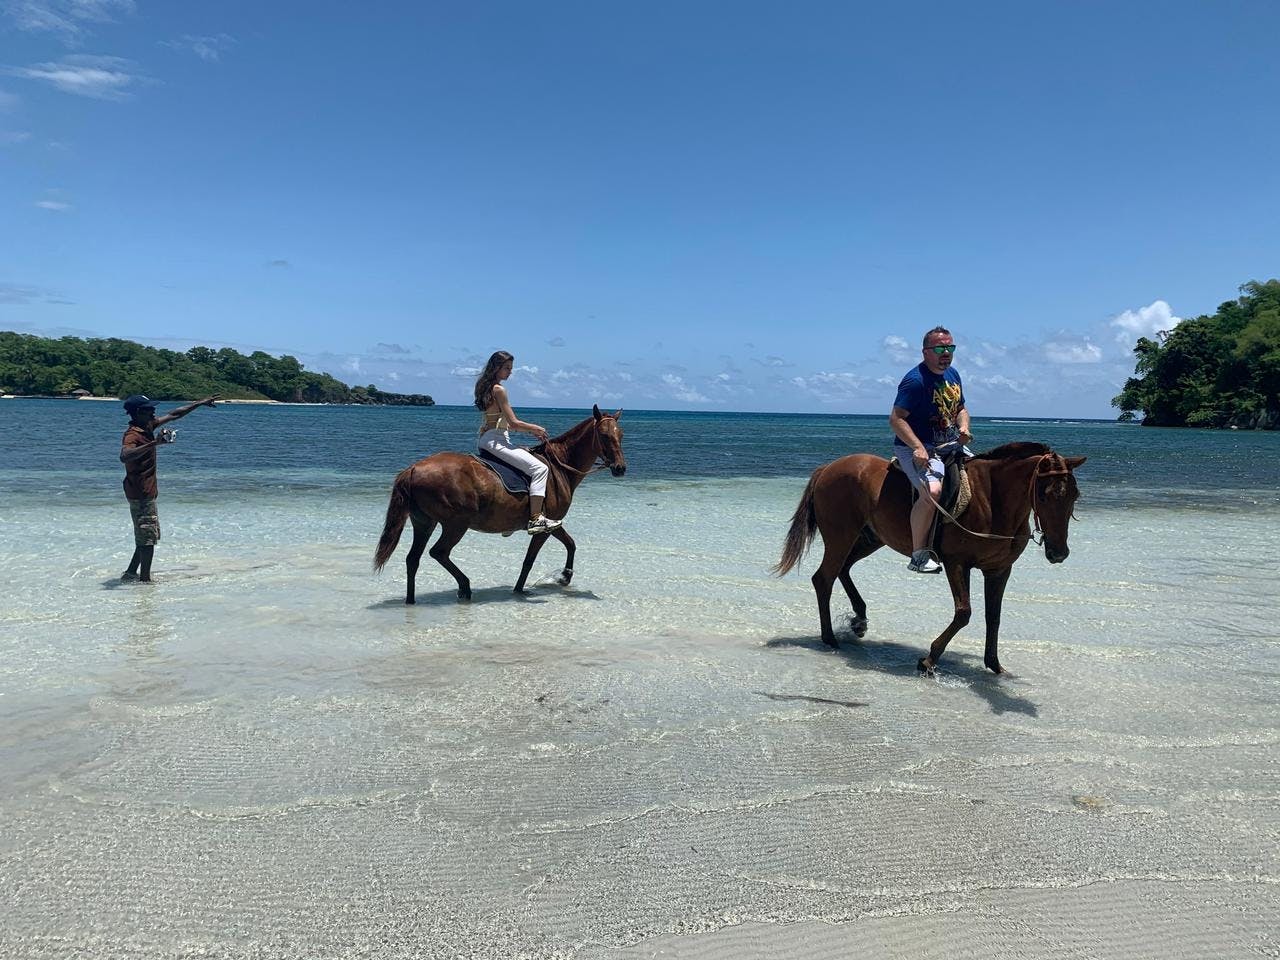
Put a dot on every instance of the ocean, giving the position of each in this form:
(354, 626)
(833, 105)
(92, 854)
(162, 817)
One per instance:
(267, 754)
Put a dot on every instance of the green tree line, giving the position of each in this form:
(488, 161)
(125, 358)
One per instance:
(1217, 370)
(110, 367)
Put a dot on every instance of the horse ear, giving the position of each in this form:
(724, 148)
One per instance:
(618, 415)
(595, 411)
(1073, 462)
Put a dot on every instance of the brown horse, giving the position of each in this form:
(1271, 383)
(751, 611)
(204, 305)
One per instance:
(459, 493)
(859, 504)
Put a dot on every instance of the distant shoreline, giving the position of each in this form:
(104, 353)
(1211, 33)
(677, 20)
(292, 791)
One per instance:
(272, 403)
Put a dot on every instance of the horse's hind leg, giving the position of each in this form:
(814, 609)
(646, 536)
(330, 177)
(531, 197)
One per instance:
(868, 543)
(824, 578)
(958, 578)
(422, 529)
(449, 537)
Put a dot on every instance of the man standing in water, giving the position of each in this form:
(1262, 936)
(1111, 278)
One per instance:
(929, 411)
(138, 454)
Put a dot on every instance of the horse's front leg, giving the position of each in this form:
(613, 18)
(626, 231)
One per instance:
(566, 575)
(958, 578)
(535, 544)
(993, 584)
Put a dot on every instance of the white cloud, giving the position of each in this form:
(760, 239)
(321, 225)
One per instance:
(680, 390)
(723, 377)
(1001, 382)
(461, 371)
(1060, 351)
(1144, 322)
(66, 18)
(56, 205)
(209, 49)
(102, 78)
(898, 349)
(14, 136)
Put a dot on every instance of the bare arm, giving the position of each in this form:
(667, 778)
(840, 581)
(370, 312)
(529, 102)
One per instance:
(131, 453)
(902, 430)
(962, 421)
(181, 412)
(500, 395)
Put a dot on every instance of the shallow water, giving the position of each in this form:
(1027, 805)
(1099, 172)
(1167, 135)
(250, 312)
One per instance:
(267, 754)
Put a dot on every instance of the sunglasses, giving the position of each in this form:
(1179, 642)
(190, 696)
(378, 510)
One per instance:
(943, 348)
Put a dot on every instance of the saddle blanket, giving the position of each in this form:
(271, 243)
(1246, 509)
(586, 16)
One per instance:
(512, 479)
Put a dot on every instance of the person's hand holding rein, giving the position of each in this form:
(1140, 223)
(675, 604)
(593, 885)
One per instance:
(538, 431)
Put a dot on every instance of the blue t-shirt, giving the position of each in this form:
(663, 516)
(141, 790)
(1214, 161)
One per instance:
(933, 402)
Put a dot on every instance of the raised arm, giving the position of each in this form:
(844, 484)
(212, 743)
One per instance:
(181, 412)
(514, 422)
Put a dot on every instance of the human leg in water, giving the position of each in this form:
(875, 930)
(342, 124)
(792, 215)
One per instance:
(139, 565)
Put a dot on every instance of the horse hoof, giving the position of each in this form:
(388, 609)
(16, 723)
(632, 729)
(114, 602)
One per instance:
(997, 669)
(409, 601)
(831, 642)
(565, 578)
(859, 627)
(924, 666)
(464, 595)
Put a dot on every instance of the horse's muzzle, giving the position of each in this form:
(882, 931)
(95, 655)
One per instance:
(618, 469)
(1056, 554)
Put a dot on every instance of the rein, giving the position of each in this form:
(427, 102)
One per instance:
(1035, 511)
(599, 455)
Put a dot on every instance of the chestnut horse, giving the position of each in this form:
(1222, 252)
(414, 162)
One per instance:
(859, 504)
(458, 492)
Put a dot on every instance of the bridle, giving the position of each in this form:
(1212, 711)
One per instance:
(1063, 470)
(601, 463)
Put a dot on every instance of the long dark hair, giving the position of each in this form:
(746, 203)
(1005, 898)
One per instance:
(486, 380)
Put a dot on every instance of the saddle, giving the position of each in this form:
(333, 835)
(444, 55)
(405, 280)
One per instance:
(512, 479)
(955, 485)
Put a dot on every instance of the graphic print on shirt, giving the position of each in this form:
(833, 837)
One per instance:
(947, 400)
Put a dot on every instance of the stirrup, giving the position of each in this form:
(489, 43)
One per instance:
(922, 561)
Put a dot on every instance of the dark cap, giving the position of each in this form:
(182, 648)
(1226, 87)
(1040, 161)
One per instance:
(138, 402)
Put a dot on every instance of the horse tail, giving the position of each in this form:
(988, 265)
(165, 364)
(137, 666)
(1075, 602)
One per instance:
(397, 513)
(804, 524)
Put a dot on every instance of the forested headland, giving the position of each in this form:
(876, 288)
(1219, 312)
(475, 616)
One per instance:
(42, 366)
(1218, 370)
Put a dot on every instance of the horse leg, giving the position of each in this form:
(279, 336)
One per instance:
(824, 578)
(867, 544)
(535, 544)
(958, 578)
(449, 537)
(570, 548)
(993, 584)
(422, 529)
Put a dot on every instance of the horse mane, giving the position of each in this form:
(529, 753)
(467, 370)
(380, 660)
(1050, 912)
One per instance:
(564, 439)
(1015, 451)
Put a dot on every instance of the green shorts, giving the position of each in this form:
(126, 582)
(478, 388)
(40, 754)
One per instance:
(146, 522)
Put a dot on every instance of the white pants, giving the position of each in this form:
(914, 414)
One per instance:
(498, 443)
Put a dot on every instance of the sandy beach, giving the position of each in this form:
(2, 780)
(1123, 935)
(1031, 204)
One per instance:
(267, 754)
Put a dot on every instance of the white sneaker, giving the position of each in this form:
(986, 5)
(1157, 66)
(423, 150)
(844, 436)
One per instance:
(541, 525)
(922, 562)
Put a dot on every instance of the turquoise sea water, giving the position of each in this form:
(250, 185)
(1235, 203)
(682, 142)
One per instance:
(267, 754)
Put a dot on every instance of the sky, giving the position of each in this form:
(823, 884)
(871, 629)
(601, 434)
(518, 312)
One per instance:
(662, 205)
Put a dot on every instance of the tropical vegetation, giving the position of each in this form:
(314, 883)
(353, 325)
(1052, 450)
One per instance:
(1218, 370)
(42, 366)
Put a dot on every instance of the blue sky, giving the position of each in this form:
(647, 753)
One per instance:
(737, 206)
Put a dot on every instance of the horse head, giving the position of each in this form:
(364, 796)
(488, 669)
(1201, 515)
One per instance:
(609, 440)
(1054, 496)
